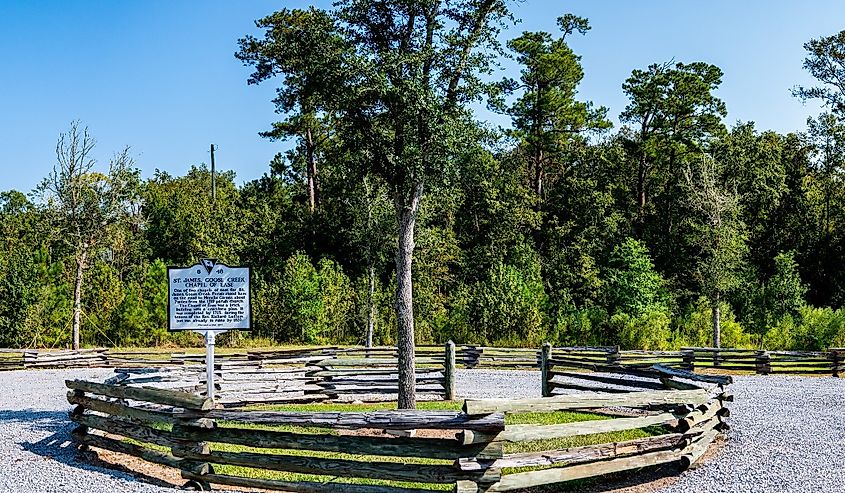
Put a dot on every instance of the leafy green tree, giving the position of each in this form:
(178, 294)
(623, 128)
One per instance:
(756, 163)
(773, 298)
(407, 75)
(633, 286)
(546, 116)
(23, 247)
(104, 297)
(827, 134)
(86, 206)
(510, 305)
(720, 235)
(785, 291)
(312, 305)
(291, 37)
(672, 112)
(300, 286)
(825, 62)
(581, 224)
(179, 224)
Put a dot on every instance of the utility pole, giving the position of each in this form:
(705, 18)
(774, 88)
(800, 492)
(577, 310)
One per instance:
(213, 179)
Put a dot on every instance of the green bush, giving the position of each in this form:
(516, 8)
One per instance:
(648, 331)
(306, 304)
(633, 286)
(812, 329)
(696, 328)
(586, 326)
(510, 306)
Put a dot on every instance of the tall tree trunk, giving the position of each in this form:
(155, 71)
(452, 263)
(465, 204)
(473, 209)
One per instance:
(537, 130)
(641, 195)
(406, 216)
(311, 171)
(371, 278)
(717, 322)
(77, 297)
(371, 272)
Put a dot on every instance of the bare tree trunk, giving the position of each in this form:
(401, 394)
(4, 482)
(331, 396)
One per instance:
(311, 171)
(370, 305)
(717, 323)
(406, 215)
(77, 297)
(641, 195)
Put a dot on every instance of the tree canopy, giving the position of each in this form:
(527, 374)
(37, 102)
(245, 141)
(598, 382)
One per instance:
(397, 217)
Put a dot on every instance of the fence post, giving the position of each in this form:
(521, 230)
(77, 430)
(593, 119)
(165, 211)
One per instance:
(471, 356)
(614, 357)
(836, 360)
(688, 356)
(545, 356)
(449, 372)
(182, 445)
(762, 363)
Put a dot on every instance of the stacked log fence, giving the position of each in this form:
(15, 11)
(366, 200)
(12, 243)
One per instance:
(471, 450)
(493, 358)
(690, 412)
(82, 358)
(372, 375)
(762, 362)
(304, 377)
(12, 359)
(339, 377)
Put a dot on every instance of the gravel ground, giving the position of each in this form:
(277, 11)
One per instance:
(787, 435)
(35, 452)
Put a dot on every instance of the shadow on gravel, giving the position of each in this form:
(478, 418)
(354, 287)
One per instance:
(36, 420)
(58, 446)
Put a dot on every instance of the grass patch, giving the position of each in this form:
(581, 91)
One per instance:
(546, 418)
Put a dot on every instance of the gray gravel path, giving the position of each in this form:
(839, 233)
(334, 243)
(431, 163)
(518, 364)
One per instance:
(35, 452)
(787, 435)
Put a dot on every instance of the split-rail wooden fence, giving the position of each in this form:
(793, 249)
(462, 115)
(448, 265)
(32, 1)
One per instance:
(763, 362)
(467, 449)
(305, 378)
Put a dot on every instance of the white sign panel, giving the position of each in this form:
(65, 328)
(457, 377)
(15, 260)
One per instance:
(208, 296)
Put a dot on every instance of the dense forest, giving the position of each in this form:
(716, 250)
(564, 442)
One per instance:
(397, 211)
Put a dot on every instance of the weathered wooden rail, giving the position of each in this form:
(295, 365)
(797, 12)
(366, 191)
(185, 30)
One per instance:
(468, 449)
(829, 362)
(761, 362)
(305, 378)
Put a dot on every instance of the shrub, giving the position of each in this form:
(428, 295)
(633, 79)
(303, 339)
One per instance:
(812, 329)
(696, 328)
(306, 304)
(633, 286)
(649, 330)
(586, 326)
(510, 305)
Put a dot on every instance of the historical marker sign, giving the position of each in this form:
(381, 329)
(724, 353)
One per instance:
(208, 296)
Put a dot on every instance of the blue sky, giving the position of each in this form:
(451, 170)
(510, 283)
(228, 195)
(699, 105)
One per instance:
(160, 76)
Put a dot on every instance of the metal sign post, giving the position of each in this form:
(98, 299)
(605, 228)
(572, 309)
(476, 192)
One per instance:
(209, 298)
(209, 336)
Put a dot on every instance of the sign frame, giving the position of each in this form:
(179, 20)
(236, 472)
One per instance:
(200, 265)
(209, 333)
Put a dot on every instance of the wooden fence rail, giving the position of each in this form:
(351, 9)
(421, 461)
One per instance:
(468, 449)
(829, 362)
(345, 376)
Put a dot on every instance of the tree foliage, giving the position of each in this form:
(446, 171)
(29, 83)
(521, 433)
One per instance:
(396, 217)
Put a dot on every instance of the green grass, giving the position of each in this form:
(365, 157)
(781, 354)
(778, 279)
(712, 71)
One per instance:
(547, 418)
